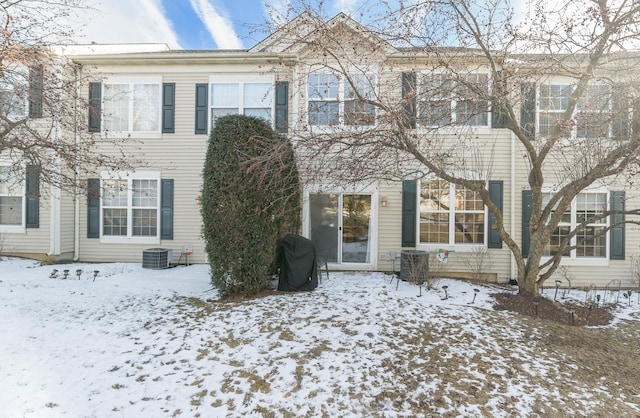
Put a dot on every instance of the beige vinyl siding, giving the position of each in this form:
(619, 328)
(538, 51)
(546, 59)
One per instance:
(67, 225)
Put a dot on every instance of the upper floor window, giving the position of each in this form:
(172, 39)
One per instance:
(132, 106)
(591, 241)
(450, 214)
(592, 116)
(14, 92)
(334, 100)
(11, 198)
(444, 100)
(244, 98)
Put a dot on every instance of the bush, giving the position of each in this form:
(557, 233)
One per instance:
(250, 200)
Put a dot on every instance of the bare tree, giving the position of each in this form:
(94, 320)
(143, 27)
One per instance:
(43, 120)
(476, 58)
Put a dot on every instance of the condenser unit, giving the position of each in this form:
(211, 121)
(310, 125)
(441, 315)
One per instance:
(156, 258)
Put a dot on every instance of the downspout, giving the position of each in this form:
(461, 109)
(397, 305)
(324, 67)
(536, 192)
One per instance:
(54, 228)
(76, 190)
(513, 201)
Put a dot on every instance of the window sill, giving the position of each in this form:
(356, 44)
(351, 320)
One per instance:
(132, 240)
(134, 135)
(595, 262)
(457, 248)
(9, 229)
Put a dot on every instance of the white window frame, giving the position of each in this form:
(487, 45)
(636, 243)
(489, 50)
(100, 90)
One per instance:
(451, 212)
(129, 178)
(452, 96)
(22, 184)
(131, 81)
(573, 258)
(342, 97)
(545, 106)
(242, 80)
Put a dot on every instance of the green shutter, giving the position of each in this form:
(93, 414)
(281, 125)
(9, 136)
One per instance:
(168, 108)
(282, 106)
(620, 108)
(527, 201)
(616, 234)
(93, 208)
(36, 90)
(32, 195)
(528, 109)
(409, 205)
(409, 98)
(95, 106)
(201, 108)
(495, 193)
(166, 209)
(498, 119)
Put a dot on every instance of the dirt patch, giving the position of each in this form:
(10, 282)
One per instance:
(569, 313)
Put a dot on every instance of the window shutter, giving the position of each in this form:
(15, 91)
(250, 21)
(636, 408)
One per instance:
(616, 234)
(166, 209)
(93, 208)
(282, 106)
(528, 109)
(409, 194)
(95, 108)
(201, 108)
(495, 193)
(36, 89)
(409, 98)
(620, 109)
(527, 200)
(32, 195)
(498, 120)
(168, 108)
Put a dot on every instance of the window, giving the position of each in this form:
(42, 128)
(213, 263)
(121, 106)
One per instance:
(592, 116)
(244, 98)
(450, 214)
(14, 92)
(130, 207)
(132, 107)
(11, 198)
(445, 101)
(591, 241)
(333, 100)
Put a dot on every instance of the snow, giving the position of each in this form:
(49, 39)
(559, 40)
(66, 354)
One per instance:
(151, 343)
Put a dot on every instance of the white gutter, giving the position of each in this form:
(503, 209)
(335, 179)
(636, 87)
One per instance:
(513, 202)
(76, 179)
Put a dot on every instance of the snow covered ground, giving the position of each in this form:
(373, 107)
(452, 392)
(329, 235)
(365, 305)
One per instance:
(156, 343)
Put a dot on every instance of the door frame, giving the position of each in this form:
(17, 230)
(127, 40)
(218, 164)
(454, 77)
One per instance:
(371, 190)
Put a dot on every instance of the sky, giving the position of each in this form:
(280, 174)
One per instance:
(191, 24)
(185, 24)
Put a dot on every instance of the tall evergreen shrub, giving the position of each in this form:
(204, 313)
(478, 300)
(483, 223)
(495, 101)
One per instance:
(250, 200)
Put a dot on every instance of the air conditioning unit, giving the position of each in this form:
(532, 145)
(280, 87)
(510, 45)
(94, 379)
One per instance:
(414, 266)
(156, 258)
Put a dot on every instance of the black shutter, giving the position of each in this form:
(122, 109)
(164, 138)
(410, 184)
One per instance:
(201, 108)
(166, 209)
(282, 106)
(498, 119)
(93, 208)
(36, 90)
(616, 234)
(409, 98)
(32, 194)
(495, 193)
(95, 106)
(409, 204)
(168, 108)
(527, 201)
(528, 109)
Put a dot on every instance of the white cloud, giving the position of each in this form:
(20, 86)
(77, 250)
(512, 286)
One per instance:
(126, 21)
(219, 27)
(346, 6)
(277, 12)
